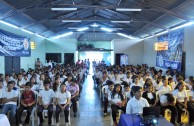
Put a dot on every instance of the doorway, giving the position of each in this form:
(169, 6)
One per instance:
(12, 64)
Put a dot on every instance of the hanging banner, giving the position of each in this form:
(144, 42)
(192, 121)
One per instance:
(14, 45)
(173, 56)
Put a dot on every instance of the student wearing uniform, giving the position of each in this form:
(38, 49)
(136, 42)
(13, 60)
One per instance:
(27, 102)
(165, 87)
(73, 88)
(136, 104)
(63, 98)
(34, 85)
(56, 85)
(20, 82)
(45, 100)
(168, 101)
(149, 95)
(190, 105)
(10, 101)
(1, 93)
(181, 99)
(107, 90)
(117, 101)
(136, 81)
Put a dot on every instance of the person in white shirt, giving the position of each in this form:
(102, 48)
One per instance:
(56, 85)
(41, 81)
(116, 79)
(165, 87)
(171, 83)
(190, 105)
(62, 100)
(34, 85)
(20, 82)
(136, 82)
(10, 101)
(45, 101)
(181, 99)
(111, 74)
(25, 79)
(190, 83)
(128, 78)
(136, 104)
(158, 83)
(104, 78)
(168, 101)
(107, 89)
(7, 79)
(117, 101)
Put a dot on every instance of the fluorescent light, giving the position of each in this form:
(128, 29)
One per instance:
(148, 37)
(27, 31)
(127, 9)
(124, 35)
(63, 9)
(71, 21)
(11, 25)
(94, 25)
(181, 26)
(106, 29)
(120, 21)
(62, 35)
(40, 36)
(162, 33)
(83, 29)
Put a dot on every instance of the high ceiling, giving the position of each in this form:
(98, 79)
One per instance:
(156, 16)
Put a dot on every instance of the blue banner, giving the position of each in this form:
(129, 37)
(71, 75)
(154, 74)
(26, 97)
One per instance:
(14, 45)
(173, 56)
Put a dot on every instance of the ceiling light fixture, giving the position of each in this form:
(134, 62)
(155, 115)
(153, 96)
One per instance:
(27, 31)
(63, 9)
(94, 25)
(106, 29)
(83, 29)
(181, 26)
(127, 9)
(124, 35)
(120, 21)
(62, 35)
(65, 21)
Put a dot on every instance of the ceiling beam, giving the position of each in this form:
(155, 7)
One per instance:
(159, 18)
(169, 12)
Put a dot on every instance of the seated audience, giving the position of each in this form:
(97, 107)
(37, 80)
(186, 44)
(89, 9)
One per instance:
(28, 101)
(168, 101)
(117, 101)
(107, 90)
(63, 103)
(149, 95)
(1, 93)
(73, 88)
(45, 102)
(136, 104)
(190, 105)
(10, 101)
(181, 99)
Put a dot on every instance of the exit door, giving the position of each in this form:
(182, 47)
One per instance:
(12, 64)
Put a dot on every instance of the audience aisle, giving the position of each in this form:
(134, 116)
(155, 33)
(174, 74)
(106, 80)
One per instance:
(91, 111)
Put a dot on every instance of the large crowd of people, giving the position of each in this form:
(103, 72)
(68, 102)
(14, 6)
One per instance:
(128, 88)
(131, 88)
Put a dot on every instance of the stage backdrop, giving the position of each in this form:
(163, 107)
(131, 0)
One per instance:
(173, 56)
(14, 45)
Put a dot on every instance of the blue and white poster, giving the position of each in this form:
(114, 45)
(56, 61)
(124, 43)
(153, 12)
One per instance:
(14, 45)
(173, 56)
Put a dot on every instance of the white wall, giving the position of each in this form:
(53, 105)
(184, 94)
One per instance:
(133, 47)
(188, 47)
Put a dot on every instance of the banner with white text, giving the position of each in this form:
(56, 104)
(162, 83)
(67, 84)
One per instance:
(14, 45)
(173, 56)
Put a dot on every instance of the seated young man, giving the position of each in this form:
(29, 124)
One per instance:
(45, 101)
(10, 101)
(27, 102)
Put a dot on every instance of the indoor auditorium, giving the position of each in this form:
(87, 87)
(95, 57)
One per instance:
(96, 63)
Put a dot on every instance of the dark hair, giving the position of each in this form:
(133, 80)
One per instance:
(55, 84)
(120, 92)
(148, 85)
(179, 84)
(28, 84)
(135, 89)
(170, 98)
(62, 84)
(109, 82)
(124, 83)
(170, 78)
(47, 82)
(10, 82)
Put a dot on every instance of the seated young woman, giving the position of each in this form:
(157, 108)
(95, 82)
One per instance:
(117, 101)
(181, 99)
(149, 95)
(190, 105)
